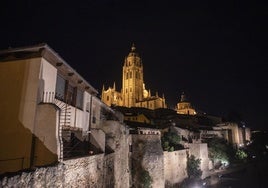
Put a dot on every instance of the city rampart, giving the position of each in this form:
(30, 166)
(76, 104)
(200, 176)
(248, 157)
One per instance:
(175, 164)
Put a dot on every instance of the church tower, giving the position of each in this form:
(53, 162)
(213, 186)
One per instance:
(132, 80)
(184, 106)
(133, 92)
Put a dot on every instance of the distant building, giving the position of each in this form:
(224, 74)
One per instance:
(133, 93)
(184, 106)
(235, 134)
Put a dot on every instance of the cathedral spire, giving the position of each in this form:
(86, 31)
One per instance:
(114, 86)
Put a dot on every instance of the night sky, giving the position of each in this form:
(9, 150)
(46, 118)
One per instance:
(214, 51)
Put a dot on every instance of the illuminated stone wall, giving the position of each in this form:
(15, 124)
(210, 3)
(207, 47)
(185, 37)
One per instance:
(200, 151)
(175, 164)
(118, 140)
(81, 172)
(147, 154)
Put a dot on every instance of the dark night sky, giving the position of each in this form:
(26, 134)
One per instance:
(214, 51)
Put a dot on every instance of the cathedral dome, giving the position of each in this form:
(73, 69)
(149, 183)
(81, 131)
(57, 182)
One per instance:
(145, 93)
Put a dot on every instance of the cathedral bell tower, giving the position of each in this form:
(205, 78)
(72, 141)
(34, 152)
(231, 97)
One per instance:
(132, 83)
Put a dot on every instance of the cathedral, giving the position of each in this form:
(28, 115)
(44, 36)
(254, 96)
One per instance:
(133, 92)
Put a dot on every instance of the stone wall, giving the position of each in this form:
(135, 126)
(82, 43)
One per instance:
(117, 140)
(200, 151)
(84, 172)
(81, 172)
(147, 155)
(175, 164)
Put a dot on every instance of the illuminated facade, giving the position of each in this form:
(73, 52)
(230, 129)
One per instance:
(47, 109)
(184, 106)
(133, 93)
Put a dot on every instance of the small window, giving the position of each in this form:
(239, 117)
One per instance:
(130, 148)
(107, 98)
(79, 99)
(94, 119)
(88, 107)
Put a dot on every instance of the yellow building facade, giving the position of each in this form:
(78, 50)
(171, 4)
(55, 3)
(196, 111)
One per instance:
(133, 93)
(45, 105)
(184, 106)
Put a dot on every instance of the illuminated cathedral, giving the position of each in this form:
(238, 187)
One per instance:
(133, 92)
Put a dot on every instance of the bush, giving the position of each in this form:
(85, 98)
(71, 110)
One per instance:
(220, 151)
(193, 167)
(145, 179)
(241, 155)
(171, 141)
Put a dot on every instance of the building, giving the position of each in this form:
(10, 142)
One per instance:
(49, 113)
(234, 133)
(184, 106)
(133, 93)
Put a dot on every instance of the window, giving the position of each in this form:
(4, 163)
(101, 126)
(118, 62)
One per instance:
(79, 99)
(107, 98)
(70, 95)
(130, 75)
(60, 88)
(94, 119)
(88, 107)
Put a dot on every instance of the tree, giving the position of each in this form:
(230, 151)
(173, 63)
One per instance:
(220, 151)
(171, 141)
